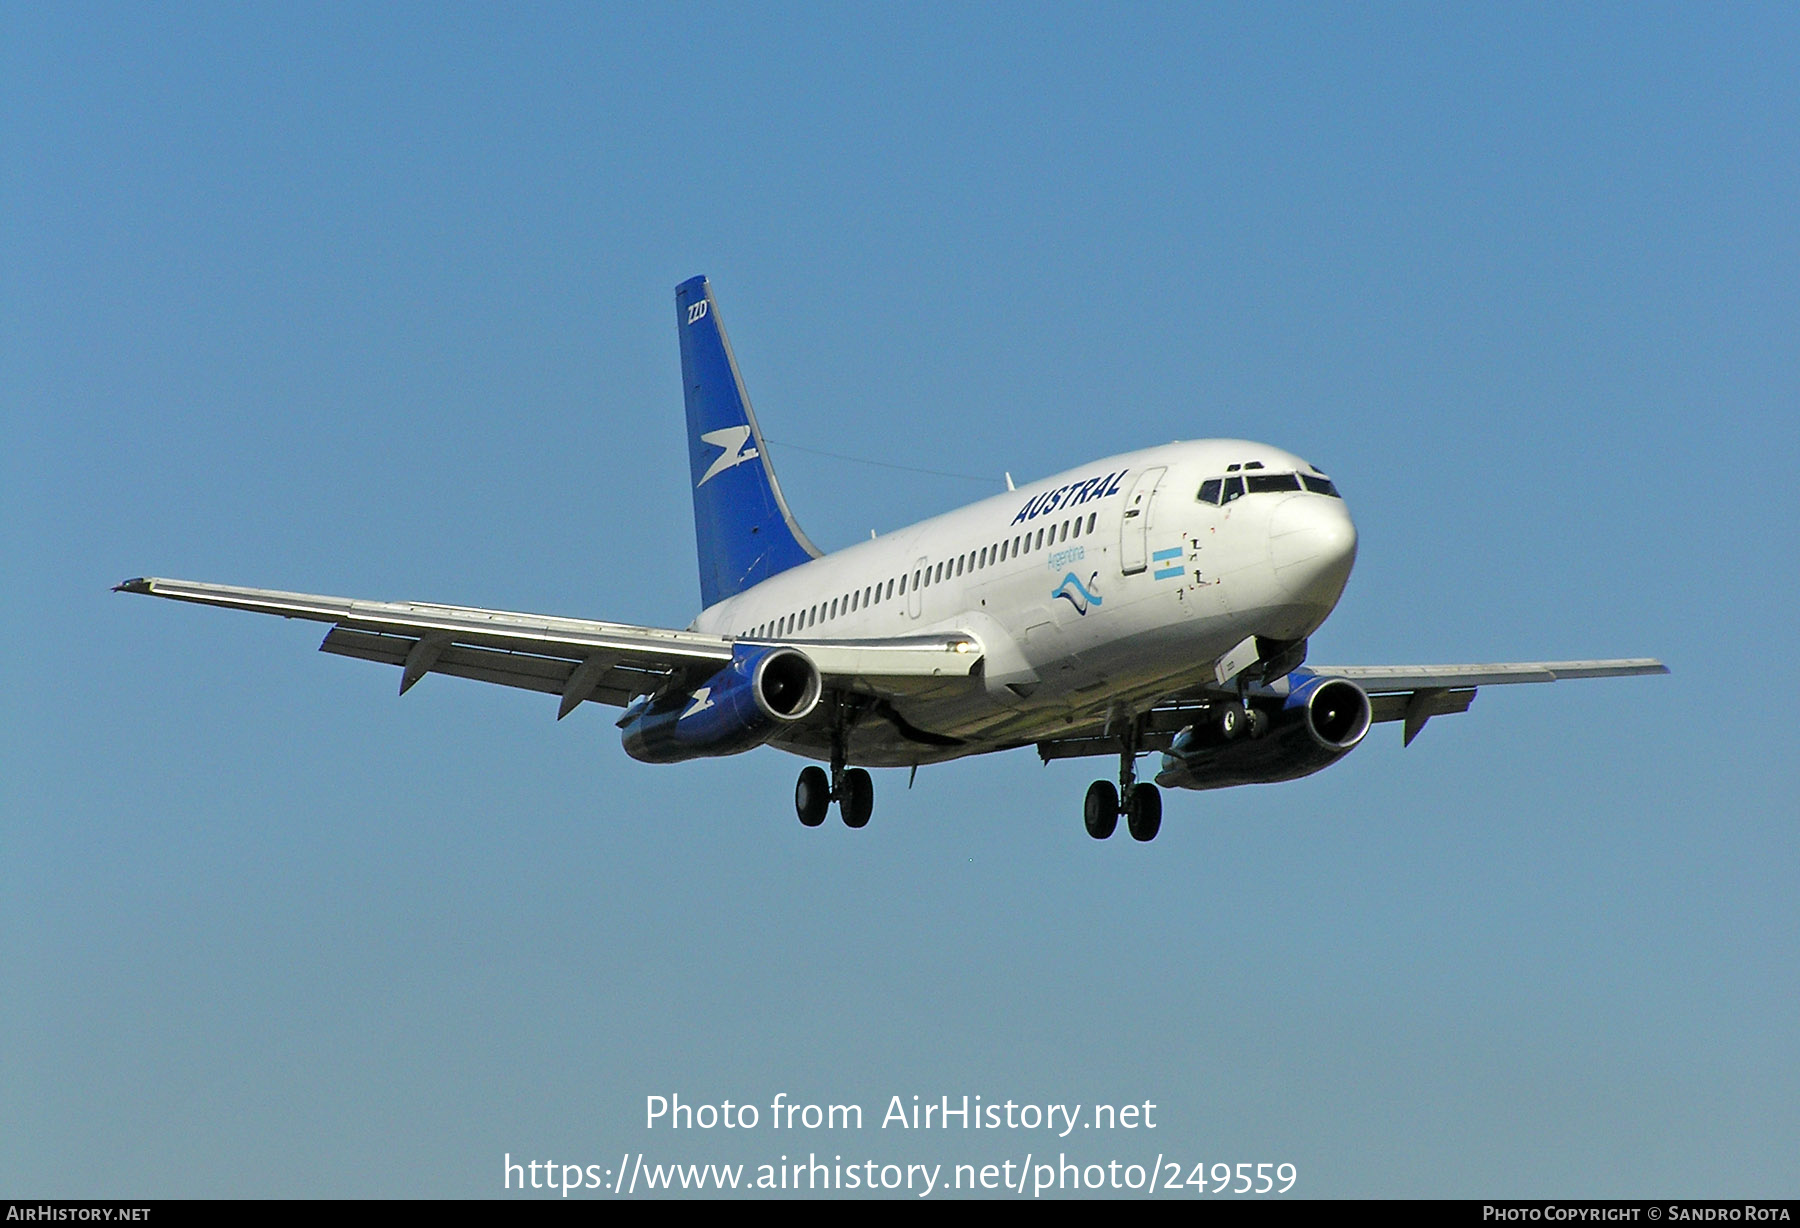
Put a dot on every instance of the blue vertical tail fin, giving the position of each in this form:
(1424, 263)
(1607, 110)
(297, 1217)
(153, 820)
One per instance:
(744, 529)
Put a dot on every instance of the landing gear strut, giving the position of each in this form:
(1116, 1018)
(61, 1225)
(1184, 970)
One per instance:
(850, 788)
(1141, 804)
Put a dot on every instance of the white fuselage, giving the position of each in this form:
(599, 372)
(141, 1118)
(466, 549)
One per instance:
(1093, 593)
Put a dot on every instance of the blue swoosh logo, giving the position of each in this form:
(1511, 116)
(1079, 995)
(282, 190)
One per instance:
(1076, 593)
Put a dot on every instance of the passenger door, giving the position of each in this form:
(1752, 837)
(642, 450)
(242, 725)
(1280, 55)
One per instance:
(1134, 525)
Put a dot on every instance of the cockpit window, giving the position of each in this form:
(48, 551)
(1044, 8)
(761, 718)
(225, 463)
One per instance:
(1263, 482)
(1243, 480)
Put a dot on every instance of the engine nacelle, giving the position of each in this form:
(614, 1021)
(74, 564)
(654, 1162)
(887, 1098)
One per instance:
(739, 708)
(1320, 720)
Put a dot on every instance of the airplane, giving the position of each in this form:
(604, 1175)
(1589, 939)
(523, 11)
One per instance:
(1157, 601)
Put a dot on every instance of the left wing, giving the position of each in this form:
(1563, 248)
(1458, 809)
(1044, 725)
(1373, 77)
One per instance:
(1410, 693)
(577, 659)
(1416, 693)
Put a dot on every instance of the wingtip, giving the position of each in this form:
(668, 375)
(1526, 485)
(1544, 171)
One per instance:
(139, 585)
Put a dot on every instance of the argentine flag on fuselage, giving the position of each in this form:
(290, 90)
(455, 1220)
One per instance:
(742, 524)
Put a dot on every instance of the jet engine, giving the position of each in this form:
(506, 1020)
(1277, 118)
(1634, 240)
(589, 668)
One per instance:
(1315, 724)
(735, 710)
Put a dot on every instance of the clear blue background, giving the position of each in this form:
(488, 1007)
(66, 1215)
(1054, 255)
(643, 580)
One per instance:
(379, 303)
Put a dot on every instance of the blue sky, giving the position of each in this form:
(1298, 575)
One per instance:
(378, 302)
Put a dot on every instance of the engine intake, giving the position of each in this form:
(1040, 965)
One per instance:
(1337, 713)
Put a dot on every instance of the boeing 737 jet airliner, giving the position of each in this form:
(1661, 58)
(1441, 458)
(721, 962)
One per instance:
(1158, 601)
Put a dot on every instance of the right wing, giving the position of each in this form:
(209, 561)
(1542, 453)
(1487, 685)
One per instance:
(576, 659)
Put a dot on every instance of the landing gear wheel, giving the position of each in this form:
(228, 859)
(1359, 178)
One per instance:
(857, 800)
(1101, 809)
(1145, 816)
(1256, 722)
(812, 796)
(1232, 720)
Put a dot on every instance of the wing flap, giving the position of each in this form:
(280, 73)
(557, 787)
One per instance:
(617, 685)
(578, 659)
(1419, 705)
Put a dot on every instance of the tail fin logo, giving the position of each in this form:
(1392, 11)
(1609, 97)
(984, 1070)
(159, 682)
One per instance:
(1077, 594)
(734, 442)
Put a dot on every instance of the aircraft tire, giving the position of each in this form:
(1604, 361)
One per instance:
(1256, 722)
(812, 795)
(1231, 720)
(1145, 817)
(1100, 811)
(858, 802)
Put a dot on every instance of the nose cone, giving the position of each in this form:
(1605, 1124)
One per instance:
(1312, 545)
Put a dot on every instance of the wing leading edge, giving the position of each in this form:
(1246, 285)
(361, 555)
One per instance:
(576, 659)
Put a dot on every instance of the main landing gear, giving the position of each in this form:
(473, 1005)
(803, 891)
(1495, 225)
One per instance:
(850, 788)
(1142, 810)
(1141, 804)
(854, 794)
